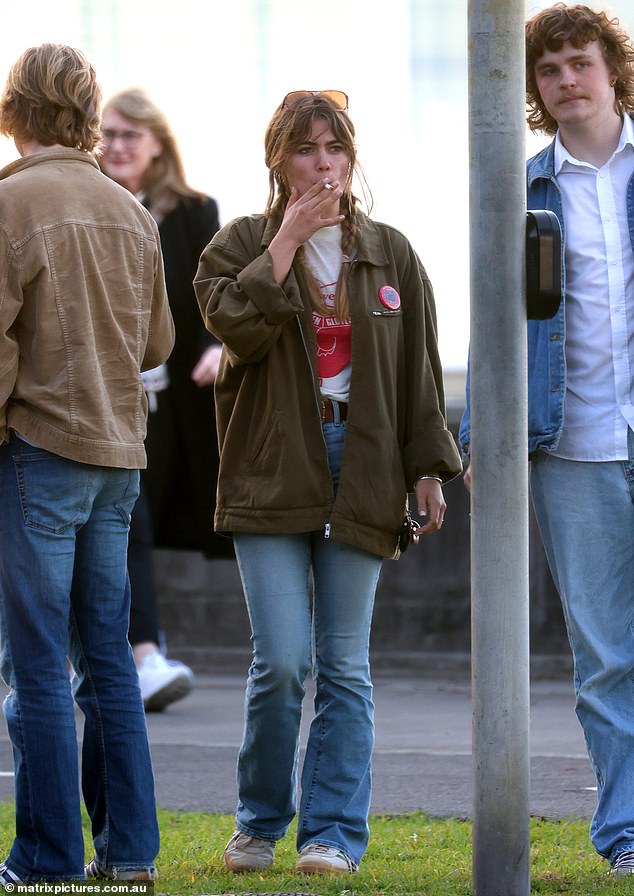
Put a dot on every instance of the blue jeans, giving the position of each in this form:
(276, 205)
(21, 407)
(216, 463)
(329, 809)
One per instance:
(64, 591)
(310, 603)
(585, 512)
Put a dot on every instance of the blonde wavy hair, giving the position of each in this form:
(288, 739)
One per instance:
(287, 130)
(164, 183)
(52, 96)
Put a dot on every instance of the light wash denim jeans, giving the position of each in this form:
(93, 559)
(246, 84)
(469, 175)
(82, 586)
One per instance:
(585, 512)
(310, 603)
(64, 591)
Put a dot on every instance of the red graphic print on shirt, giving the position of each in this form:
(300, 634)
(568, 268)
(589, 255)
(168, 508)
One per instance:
(334, 349)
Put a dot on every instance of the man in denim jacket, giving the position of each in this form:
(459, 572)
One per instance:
(580, 88)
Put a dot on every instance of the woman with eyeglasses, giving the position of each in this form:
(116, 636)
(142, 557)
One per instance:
(330, 410)
(178, 487)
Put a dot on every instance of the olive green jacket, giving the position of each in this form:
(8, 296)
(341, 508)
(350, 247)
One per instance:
(274, 475)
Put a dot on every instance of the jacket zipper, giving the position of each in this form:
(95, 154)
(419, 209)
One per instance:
(310, 367)
(352, 263)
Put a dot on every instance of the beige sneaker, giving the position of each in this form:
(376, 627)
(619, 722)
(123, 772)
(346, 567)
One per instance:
(246, 853)
(317, 858)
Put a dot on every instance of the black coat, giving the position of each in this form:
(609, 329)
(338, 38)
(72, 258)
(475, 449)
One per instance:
(182, 446)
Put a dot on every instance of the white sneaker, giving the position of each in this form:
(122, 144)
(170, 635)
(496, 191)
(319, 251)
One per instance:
(163, 681)
(317, 858)
(246, 853)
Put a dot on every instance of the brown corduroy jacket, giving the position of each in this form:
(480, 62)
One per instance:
(83, 309)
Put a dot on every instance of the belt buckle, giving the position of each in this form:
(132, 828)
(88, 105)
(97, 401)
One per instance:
(323, 410)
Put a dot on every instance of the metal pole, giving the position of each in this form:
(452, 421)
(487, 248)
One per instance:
(499, 532)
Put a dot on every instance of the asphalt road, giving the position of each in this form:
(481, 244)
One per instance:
(422, 758)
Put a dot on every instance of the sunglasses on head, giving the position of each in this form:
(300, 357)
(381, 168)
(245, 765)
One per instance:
(337, 97)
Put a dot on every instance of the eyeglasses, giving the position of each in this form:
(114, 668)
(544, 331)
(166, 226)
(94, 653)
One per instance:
(128, 138)
(296, 97)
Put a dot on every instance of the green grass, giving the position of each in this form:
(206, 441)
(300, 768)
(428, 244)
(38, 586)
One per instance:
(409, 855)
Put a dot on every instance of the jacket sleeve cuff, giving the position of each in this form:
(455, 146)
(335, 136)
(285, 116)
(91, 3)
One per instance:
(440, 457)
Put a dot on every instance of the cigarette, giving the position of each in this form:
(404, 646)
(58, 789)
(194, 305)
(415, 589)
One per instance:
(329, 186)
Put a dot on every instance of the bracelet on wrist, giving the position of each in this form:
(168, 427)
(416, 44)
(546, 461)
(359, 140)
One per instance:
(429, 476)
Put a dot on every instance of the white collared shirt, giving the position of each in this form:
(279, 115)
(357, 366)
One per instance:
(599, 261)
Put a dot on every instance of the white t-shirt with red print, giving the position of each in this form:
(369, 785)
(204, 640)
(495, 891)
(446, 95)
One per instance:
(334, 349)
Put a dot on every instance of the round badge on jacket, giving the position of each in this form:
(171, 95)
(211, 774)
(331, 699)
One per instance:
(389, 298)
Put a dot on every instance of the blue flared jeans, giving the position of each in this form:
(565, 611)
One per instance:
(310, 603)
(64, 591)
(585, 512)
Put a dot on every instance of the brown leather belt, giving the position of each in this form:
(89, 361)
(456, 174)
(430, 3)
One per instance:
(328, 410)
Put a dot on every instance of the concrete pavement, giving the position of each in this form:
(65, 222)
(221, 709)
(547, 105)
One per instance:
(423, 747)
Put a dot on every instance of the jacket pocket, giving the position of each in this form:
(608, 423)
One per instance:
(385, 312)
(269, 431)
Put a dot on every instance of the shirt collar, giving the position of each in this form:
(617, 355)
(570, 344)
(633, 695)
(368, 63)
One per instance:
(627, 134)
(562, 155)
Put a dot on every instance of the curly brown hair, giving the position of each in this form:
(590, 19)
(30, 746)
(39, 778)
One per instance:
(550, 28)
(52, 96)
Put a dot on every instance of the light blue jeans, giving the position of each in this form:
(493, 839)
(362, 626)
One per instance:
(585, 513)
(310, 602)
(64, 590)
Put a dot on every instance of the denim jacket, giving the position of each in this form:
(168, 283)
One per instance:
(546, 338)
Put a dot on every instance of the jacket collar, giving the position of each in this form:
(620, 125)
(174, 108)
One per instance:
(48, 155)
(370, 247)
(541, 165)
